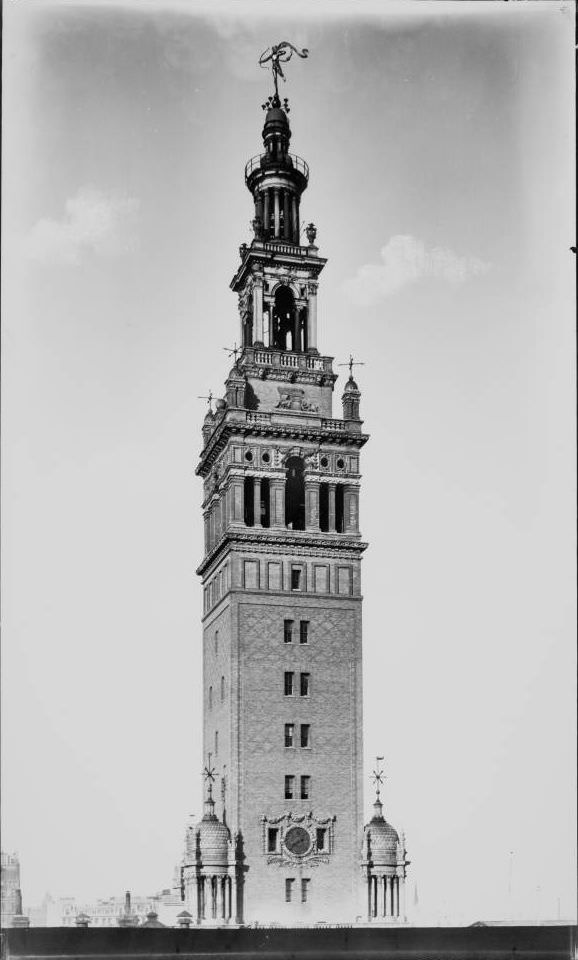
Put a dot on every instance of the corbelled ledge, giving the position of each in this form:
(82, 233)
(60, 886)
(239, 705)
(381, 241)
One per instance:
(294, 424)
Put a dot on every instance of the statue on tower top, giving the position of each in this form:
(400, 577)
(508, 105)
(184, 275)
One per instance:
(279, 53)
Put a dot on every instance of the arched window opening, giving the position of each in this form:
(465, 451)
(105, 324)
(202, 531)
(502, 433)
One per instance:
(324, 507)
(249, 506)
(216, 642)
(248, 332)
(295, 494)
(285, 326)
(210, 698)
(303, 344)
(222, 688)
(339, 508)
(265, 503)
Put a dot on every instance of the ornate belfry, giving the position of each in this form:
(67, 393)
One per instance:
(281, 575)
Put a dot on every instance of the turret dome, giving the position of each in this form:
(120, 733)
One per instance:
(351, 386)
(214, 838)
(383, 838)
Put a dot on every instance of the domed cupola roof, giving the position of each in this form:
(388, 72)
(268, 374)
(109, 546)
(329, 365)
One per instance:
(383, 838)
(351, 386)
(214, 837)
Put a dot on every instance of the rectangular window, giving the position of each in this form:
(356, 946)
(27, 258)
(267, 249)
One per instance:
(288, 631)
(272, 840)
(295, 578)
(289, 787)
(304, 631)
(305, 788)
(304, 889)
(289, 881)
(289, 675)
(290, 734)
(321, 839)
(304, 685)
(305, 735)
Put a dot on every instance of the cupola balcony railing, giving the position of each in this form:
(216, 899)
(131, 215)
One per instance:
(257, 163)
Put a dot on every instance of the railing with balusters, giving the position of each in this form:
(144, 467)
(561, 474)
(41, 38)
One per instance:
(297, 162)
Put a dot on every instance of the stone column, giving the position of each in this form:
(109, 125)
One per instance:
(234, 910)
(277, 503)
(207, 533)
(286, 216)
(312, 505)
(392, 897)
(369, 897)
(403, 913)
(312, 315)
(256, 501)
(351, 509)
(220, 899)
(331, 510)
(276, 210)
(237, 500)
(266, 214)
(201, 898)
(257, 310)
(396, 897)
(295, 219)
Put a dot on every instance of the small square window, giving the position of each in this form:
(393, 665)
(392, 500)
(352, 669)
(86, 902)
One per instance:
(321, 839)
(305, 788)
(304, 684)
(304, 631)
(272, 840)
(289, 734)
(289, 881)
(289, 788)
(305, 734)
(304, 889)
(288, 631)
(289, 676)
(296, 578)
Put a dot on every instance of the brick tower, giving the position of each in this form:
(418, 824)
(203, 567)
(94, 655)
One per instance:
(281, 589)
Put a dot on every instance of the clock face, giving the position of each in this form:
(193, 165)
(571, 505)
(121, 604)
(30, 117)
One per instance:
(298, 841)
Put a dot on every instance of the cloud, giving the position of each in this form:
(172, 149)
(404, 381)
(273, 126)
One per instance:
(405, 260)
(93, 222)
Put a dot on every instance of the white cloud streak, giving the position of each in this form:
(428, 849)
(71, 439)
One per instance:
(94, 222)
(405, 260)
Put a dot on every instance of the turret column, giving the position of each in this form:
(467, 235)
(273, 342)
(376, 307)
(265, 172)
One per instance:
(266, 214)
(277, 211)
(258, 310)
(312, 315)
(286, 216)
(295, 219)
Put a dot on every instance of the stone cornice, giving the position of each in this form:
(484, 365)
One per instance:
(264, 253)
(306, 432)
(301, 543)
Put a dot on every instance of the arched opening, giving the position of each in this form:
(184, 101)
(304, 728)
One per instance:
(285, 328)
(249, 505)
(339, 508)
(265, 503)
(295, 494)
(324, 507)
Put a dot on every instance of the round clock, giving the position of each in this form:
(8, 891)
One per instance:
(298, 841)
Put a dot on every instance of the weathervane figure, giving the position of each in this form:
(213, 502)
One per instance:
(377, 776)
(280, 53)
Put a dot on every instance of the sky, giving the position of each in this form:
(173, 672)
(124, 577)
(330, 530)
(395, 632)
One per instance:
(440, 143)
